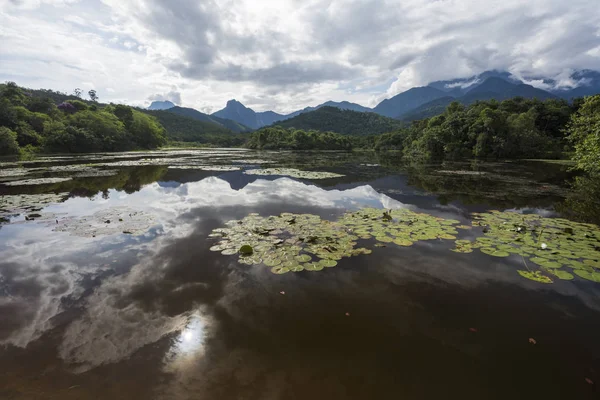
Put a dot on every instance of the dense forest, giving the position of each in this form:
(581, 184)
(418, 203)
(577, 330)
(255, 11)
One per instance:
(183, 130)
(277, 137)
(511, 129)
(514, 128)
(346, 122)
(30, 122)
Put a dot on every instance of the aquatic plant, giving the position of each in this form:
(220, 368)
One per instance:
(111, 221)
(402, 227)
(293, 172)
(298, 242)
(550, 244)
(38, 181)
(288, 242)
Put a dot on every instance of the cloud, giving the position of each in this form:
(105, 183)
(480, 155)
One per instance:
(296, 53)
(172, 96)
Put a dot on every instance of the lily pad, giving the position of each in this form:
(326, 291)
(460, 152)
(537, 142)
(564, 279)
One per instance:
(551, 243)
(589, 275)
(535, 276)
(246, 250)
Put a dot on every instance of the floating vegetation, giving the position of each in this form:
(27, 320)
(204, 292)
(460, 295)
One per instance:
(11, 205)
(215, 168)
(287, 243)
(111, 221)
(12, 172)
(535, 276)
(402, 227)
(298, 242)
(96, 173)
(293, 172)
(253, 161)
(38, 181)
(550, 244)
(462, 172)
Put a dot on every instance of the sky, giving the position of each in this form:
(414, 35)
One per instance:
(284, 55)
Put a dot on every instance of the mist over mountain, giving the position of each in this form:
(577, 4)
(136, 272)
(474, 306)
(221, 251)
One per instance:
(419, 102)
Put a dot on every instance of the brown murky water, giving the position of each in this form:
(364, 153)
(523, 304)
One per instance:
(156, 315)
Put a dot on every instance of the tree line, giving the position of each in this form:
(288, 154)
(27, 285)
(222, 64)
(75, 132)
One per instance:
(31, 123)
(276, 137)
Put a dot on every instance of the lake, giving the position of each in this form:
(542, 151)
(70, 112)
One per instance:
(114, 285)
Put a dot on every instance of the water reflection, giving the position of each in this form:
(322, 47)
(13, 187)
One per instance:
(160, 316)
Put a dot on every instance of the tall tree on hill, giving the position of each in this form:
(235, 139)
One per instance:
(93, 95)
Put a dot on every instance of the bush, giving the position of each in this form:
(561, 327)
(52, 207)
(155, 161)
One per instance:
(78, 104)
(584, 133)
(8, 142)
(26, 135)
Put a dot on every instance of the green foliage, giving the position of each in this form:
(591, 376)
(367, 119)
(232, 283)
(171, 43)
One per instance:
(279, 138)
(584, 133)
(78, 104)
(8, 142)
(514, 128)
(147, 132)
(345, 122)
(36, 123)
(181, 128)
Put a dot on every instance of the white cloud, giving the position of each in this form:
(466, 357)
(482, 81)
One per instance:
(287, 54)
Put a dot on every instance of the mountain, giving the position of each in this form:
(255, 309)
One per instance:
(236, 111)
(428, 110)
(197, 115)
(460, 86)
(345, 105)
(161, 105)
(494, 87)
(186, 129)
(500, 89)
(589, 84)
(407, 101)
(346, 122)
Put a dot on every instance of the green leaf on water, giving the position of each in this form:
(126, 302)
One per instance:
(535, 276)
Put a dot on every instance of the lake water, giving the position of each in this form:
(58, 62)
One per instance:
(109, 288)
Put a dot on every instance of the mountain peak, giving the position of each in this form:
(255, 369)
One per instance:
(161, 105)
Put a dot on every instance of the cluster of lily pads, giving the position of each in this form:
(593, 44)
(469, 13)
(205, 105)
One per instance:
(111, 221)
(293, 172)
(550, 244)
(298, 242)
(288, 242)
(402, 227)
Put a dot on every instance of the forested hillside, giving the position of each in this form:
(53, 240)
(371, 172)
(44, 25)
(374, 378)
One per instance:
(346, 122)
(185, 129)
(515, 128)
(32, 121)
(277, 137)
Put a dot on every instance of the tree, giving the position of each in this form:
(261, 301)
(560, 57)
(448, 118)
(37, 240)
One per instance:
(77, 92)
(93, 95)
(584, 133)
(8, 142)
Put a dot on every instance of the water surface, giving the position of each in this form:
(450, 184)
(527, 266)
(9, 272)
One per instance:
(154, 314)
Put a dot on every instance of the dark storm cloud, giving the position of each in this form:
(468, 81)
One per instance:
(281, 74)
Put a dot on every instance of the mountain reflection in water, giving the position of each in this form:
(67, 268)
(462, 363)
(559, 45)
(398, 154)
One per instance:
(158, 315)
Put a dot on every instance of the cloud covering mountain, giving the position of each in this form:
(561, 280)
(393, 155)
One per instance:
(284, 55)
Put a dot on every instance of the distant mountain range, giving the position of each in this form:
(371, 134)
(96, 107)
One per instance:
(415, 103)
